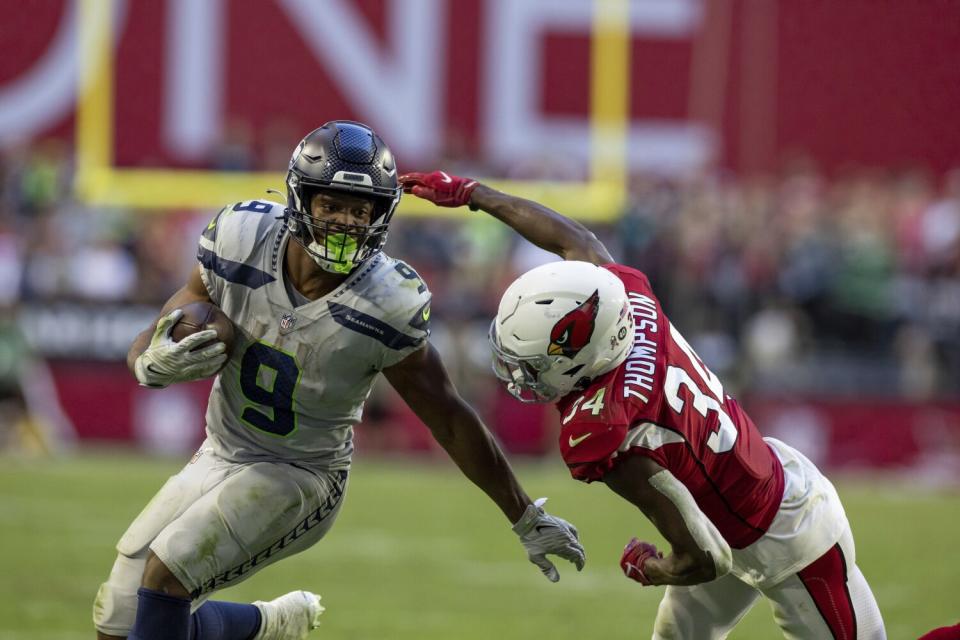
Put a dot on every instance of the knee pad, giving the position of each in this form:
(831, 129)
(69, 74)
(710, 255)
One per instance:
(115, 606)
(669, 623)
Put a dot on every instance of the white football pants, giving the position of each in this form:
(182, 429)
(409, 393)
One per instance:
(215, 524)
(828, 598)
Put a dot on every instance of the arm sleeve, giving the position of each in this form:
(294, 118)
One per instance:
(701, 529)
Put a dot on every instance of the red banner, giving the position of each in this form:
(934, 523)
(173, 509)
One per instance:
(500, 81)
(866, 434)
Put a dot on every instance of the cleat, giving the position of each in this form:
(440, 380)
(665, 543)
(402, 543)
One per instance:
(289, 617)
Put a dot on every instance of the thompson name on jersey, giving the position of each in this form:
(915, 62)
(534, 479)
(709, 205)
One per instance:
(712, 447)
(297, 379)
(770, 504)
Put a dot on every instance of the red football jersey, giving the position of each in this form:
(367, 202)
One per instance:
(664, 403)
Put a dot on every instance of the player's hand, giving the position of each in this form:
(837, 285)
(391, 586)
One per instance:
(541, 533)
(440, 188)
(165, 361)
(635, 554)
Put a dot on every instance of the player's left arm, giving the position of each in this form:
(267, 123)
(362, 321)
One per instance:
(698, 551)
(423, 383)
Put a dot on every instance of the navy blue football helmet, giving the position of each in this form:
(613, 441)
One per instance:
(341, 156)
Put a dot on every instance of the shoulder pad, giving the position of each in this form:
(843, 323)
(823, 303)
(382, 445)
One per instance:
(628, 275)
(233, 243)
(391, 297)
(236, 231)
(402, 295)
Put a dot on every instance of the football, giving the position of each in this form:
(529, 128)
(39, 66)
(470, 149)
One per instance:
(198, 316)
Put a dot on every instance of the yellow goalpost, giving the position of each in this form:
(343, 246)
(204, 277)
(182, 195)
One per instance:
(100, 183)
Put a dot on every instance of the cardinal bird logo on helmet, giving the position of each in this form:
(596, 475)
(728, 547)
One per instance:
(574, 330)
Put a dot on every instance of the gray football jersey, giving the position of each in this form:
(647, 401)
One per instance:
(296, 382)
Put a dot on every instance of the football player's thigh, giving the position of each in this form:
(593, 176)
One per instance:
(706, 611)
(264, 512)
(829, 598)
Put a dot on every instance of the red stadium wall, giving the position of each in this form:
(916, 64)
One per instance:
(853, 82)
(750, 82)
(105, 404)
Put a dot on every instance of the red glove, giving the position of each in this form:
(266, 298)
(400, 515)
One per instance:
(439, 188)
(635, 554)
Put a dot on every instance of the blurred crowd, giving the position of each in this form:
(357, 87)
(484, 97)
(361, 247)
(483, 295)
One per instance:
(844, 285)
(848, 284)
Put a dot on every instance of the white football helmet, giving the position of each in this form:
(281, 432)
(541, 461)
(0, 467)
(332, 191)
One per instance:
(559, 326)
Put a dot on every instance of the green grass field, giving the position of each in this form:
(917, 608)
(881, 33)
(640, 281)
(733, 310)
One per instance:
(420, 553)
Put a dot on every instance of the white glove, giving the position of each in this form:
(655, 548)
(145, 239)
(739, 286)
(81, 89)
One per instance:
(165, 361)
(541, 533)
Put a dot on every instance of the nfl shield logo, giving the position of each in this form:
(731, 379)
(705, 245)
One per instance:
(287, 321)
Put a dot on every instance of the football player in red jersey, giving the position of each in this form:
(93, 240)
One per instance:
(744, 515)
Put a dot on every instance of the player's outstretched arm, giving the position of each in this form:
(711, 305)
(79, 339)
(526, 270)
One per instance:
(698, 551)
(424, 385)
(422, 382)
(156, 361)
(540, 225)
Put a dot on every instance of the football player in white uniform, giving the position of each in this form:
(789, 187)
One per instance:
(316, 319)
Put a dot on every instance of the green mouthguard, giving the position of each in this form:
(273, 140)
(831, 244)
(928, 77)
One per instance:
(341, 246)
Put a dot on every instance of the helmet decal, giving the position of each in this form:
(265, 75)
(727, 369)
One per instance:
(573, 331)
(559, 326)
